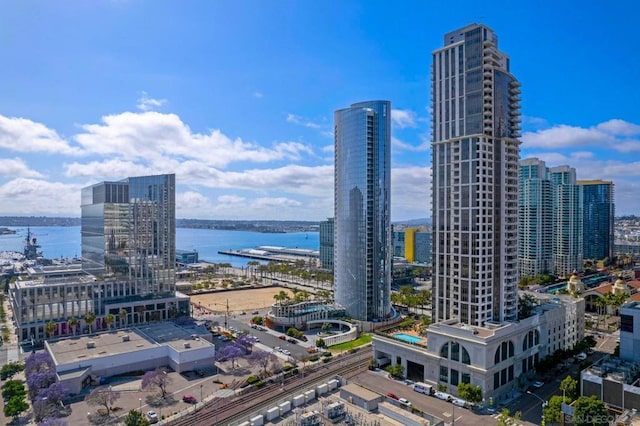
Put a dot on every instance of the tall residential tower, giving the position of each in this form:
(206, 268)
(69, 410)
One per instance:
(475, 149)
(567, 221)
(535, 219)
(598, 217)
(362, 245)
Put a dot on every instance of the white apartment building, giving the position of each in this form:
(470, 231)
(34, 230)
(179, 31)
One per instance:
(496, 357)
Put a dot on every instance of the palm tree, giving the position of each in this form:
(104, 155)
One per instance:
(89, 318)
(281, 296)
(123, 317)
(109, 319)
(72, 323)
(50, 328)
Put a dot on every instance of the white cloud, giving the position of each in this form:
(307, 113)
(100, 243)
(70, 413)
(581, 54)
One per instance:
(17, 168)
(151, 135)
(23, 135)
(105, 170)
(258, 95)
(410, 192)
(270, 202)
(146, 103)
(614, 133)
(404, 146)
(296, 119)
(39, 197)
(402, 118)
(231, 199)
(619, 127)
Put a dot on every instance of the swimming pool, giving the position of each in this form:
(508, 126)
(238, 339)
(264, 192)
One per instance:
(407, 338)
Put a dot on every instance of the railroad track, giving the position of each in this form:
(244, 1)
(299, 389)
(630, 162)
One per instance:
(231, 410)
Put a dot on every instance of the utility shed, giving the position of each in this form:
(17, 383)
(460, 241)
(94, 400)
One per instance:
(361, 397)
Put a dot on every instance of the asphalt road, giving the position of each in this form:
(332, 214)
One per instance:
(268, 338)
(436, 407)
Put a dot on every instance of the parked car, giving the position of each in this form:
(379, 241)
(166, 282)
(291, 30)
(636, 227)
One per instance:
(292, 340)
(581, 356)
(189, 399)
(392, 396)
(255, 313)
(538, 384)
(282, 337)
(304, 338)
(277, 348)
(152, 416)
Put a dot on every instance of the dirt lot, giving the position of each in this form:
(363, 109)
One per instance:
(239, 300)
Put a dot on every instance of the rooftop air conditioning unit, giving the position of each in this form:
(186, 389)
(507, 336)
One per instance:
(187, 345)
(91, 344)
(125, 338)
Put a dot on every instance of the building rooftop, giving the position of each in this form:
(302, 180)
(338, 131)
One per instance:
(83, 348)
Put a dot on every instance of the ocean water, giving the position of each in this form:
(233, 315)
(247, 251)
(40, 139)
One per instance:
(64, 241)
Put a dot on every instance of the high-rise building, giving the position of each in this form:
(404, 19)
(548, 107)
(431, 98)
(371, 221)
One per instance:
(128, 242)
(128, 265)
(598, 214)
(363, 244)
(567, 221)
(326, 244)
(417, 245)
(535, 219)
(475, 153)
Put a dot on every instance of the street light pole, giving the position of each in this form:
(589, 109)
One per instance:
(544, 403)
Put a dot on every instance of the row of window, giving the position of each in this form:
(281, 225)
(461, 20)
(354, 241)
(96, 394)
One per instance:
(453, 376)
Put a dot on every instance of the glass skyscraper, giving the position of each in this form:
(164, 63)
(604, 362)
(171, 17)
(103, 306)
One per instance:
(475, 149)
(535, 219)
(567, 221)
(598, 218)
(363, 244)
(128, 242)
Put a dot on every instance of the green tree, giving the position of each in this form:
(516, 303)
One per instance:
(72, 323)
(9, 370)
(526, 304)
(590, 411)
(15, 406)
(50, 328)
(552, 413)
(13, 388)
(320, 343)
(469, 392)
(89, 319)
(109, 319)
(135, 418)
(257, 320)
(396, 370)
(505, 418)
(568, 386)
(281, 297)
(123, 314)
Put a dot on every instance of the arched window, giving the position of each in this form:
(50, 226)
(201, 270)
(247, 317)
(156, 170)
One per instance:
(466, 359)
(505, 351)
(456, 352)
(532, 338)
(444, 352)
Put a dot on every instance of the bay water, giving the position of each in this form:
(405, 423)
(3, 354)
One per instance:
(65, 242)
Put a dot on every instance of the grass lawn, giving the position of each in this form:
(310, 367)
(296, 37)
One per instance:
(362, 340)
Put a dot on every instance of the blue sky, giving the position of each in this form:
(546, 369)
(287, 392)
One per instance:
(237, 97)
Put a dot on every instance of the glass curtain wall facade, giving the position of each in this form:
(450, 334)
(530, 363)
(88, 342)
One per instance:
(475, 154)
(567, 221)
(598, 218)
(128, 237)
(535, 219)
(326, 244)
(363, 244)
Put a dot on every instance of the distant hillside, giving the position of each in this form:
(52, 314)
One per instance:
(38, 221)
(414, 222)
